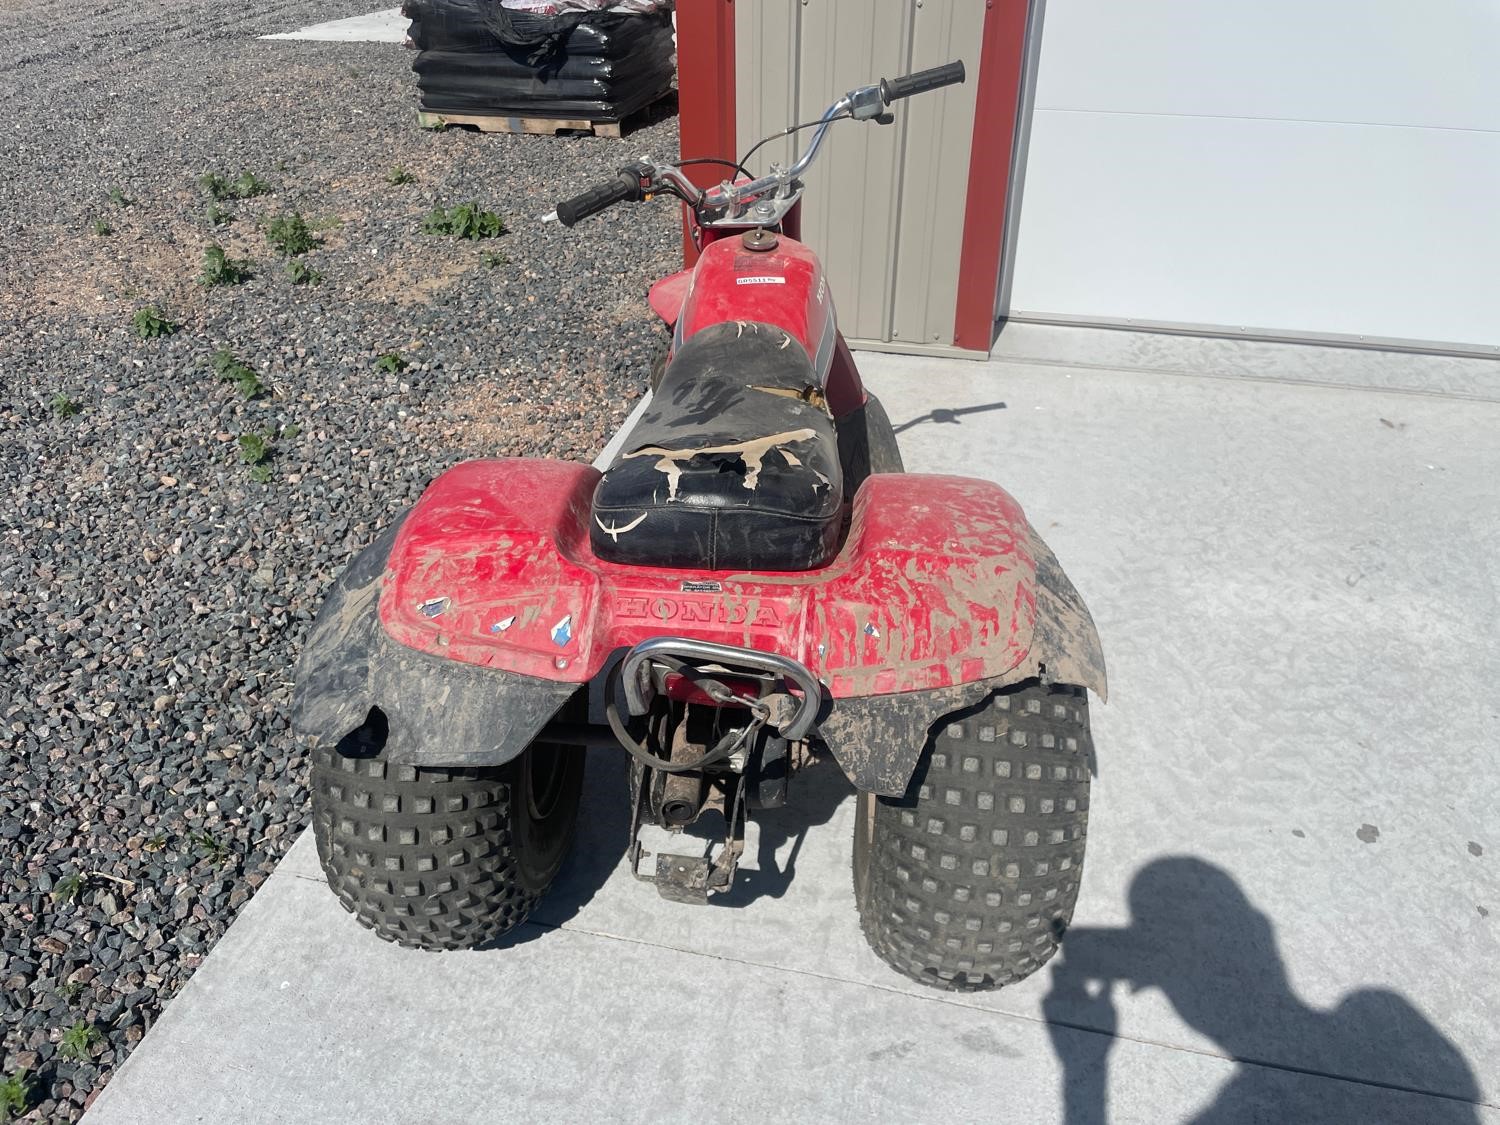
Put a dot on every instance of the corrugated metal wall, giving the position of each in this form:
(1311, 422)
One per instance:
(885, 204)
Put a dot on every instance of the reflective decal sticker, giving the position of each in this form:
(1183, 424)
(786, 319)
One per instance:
(758, 280)
(706, 586)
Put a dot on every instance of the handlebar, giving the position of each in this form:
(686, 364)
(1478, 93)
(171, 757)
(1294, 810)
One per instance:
(949, 74)
(861, 104)
(622, 189)
(639, 181)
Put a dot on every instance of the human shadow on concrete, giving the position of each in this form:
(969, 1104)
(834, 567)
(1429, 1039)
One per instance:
(1195, 936)
(946, 415)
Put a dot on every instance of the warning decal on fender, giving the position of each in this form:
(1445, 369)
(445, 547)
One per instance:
(760, 280)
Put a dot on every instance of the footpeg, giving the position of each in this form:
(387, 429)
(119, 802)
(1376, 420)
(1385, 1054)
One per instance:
(686, 878)
(682, 878)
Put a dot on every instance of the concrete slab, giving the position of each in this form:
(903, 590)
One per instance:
(1088, 347)
(1289, 907)
(592, 1028)
(385, 26)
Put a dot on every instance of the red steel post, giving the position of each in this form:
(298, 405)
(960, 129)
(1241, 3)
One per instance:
(705, 91)
(1002, 57)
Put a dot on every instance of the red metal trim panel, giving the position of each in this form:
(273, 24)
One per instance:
(935, 585)
(1002, 58)
(705, 92)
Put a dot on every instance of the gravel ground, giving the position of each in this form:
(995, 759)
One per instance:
(153, 595)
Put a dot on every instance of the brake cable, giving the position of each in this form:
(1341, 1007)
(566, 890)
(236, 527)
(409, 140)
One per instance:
(846, 115)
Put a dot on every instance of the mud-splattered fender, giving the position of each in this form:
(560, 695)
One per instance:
(440, 712)
(878, 739)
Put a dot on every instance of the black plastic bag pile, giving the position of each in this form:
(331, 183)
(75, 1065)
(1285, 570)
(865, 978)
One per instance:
(478, 57)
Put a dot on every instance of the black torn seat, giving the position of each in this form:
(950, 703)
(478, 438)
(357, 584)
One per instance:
(734, 464)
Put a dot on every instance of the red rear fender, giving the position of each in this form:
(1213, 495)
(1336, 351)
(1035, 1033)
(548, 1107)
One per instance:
(936, 585)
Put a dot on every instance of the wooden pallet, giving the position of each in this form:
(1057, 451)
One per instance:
(535, 126)
(658, 106)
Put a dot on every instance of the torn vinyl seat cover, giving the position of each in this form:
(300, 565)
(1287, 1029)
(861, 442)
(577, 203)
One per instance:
(734, 465)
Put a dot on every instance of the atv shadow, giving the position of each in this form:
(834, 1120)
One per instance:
(598, 847)
(604, 829)
(816, 793)
(944, 415)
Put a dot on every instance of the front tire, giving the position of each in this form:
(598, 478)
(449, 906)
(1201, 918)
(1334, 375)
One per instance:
(968, 882)
(441, 858)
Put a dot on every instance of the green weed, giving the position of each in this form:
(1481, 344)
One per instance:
(243, 186)
(102, 228)
(301, 273)
(117, 197)
(391, 363)
(79, 1041)
(63, 406)
(247, 185)
(69, 887)
(247, 382)
(220, 269)
(255, 449)
(467, 220)
(150, 323)
(398, 176)
(230, 370)
(290, 235)
(218, 216)
(15, 1094)
(211, 847)
(493, 258)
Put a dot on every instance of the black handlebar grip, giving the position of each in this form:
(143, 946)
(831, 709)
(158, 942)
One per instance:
(949, 74)
(622, 189)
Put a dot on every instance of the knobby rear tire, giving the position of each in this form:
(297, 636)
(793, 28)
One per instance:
(969, 881)
(442, 859)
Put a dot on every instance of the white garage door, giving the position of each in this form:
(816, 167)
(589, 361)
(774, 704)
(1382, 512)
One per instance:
(1284, 166)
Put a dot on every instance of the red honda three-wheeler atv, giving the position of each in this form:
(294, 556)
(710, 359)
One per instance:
(752, 581)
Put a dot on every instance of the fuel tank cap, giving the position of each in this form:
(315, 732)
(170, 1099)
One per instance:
(759, 239)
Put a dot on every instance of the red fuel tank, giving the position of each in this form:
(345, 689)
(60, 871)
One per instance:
(783, 286)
